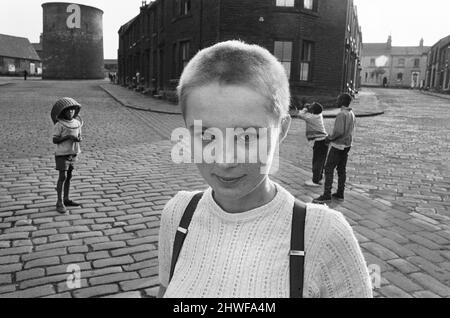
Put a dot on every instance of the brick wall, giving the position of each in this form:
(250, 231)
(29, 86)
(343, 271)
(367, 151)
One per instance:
(241, 19)
(256, 21)
(20, 66)
(438, 70)
(75, 53)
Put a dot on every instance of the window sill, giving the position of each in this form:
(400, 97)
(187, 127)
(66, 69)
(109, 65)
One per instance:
(287, 9)
(297, 11)
(310, 12)
(182, 17)
(302, 83)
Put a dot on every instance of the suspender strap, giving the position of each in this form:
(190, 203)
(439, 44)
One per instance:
(297, 255)
(183, 230)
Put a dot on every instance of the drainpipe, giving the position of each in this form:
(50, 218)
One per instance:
(200, 45)
(344, 59)
(219, 18)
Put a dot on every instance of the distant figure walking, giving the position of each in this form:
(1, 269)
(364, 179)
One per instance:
(25, 75)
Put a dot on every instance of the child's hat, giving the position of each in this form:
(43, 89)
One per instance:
(62, 105)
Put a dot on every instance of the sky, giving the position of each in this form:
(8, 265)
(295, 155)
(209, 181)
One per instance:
(24, 18)
(406, 20)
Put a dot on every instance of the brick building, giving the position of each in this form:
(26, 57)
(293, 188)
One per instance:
(438, 72)
(17, 55)
(394, 66)
(72, 41)
(318, 41)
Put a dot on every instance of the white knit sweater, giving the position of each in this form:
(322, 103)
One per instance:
(246, 255)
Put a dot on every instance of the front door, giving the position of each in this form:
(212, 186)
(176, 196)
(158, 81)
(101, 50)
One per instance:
(415, 80)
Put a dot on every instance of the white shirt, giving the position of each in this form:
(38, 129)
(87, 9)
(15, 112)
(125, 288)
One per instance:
(246, 255)
(67, 128)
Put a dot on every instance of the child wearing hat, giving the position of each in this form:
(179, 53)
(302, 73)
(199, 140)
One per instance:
(67, 138)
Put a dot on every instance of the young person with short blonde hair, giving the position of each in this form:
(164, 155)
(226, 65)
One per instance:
(237, 241)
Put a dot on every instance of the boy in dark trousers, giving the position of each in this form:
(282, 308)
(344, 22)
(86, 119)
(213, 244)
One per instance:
(341, 143)
(67, 138)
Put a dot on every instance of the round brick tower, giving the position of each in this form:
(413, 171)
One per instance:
(72, 41)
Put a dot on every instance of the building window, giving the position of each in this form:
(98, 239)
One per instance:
(283, 52)
(182, 7)
(401, 62)
(306, 60)
(310, 5)
(285, 3)
(185, 7)
(416, 62)
(400, 76)
(372, 62)
(184, 54)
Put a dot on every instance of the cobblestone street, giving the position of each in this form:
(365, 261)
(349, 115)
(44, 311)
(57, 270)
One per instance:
(398, 200)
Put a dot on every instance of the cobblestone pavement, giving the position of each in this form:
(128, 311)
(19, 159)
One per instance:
(125, 176)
